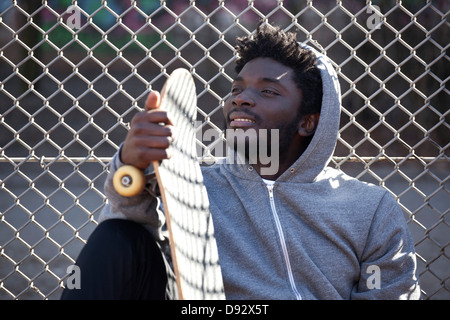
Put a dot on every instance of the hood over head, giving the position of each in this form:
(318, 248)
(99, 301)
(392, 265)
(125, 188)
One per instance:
(321, 148)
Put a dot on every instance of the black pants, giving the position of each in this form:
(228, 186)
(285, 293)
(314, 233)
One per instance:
(121, 260)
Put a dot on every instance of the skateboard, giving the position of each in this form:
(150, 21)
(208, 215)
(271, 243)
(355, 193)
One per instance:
(186, 206)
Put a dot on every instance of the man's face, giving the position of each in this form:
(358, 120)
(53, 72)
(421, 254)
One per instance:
(265, 96)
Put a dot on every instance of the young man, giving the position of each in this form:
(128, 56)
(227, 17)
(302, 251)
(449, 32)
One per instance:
(303, 231)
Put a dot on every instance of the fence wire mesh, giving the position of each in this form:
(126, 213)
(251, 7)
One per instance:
(72, 77)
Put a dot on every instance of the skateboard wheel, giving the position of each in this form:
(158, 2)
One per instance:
(129, 181)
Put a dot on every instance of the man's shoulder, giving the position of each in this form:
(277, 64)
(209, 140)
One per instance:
(356, 189)
(331, 173)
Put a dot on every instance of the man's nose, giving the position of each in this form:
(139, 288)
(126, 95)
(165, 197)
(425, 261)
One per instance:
(243, 99)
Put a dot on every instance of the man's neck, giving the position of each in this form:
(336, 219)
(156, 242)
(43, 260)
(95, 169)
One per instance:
(285, 161)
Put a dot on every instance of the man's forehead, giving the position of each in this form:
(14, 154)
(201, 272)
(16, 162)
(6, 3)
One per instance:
(266, 68)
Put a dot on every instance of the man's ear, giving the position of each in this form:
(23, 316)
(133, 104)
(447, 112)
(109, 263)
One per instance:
(308, 124)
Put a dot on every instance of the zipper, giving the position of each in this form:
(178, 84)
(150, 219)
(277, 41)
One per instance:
(283, 243)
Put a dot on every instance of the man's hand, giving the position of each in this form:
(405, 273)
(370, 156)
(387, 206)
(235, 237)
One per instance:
(150, 135)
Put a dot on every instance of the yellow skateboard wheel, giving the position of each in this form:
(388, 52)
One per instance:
(129, 181)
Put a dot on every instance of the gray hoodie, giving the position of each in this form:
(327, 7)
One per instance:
(316, 233)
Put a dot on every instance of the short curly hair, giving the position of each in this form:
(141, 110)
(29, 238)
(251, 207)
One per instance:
(273, 42)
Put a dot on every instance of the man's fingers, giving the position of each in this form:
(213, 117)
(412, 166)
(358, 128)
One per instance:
(152, 117)
(156, 154)
(140, 150)
(150, 135)
(159, 116)
(157, 142)
(153, 100)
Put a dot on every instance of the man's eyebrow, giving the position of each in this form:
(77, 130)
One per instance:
(264, 79)
(272, 80)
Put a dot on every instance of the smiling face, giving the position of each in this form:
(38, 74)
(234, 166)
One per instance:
(265, 96)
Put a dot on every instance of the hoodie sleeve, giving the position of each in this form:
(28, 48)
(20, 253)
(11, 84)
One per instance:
(388, 264)
(144, 208)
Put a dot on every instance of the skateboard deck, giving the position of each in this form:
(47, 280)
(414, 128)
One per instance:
(193, 245)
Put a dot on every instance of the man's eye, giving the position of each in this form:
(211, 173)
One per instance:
(269, 92)
(235, 90)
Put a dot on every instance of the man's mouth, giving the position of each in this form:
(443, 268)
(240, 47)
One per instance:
(241, 121)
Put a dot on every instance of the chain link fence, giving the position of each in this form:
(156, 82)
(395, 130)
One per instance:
(73, 73)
